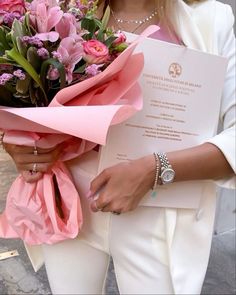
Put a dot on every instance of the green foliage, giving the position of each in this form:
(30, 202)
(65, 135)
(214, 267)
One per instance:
(26, 24)
(90, 25)
(56, 64)
(106, 17)
(109, 41)
(81, 69)
(33, 58)
(18, 30)
(4, 45)
(22, 86)
(121, 47)
(16, 56)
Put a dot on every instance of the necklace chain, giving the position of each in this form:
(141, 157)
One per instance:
(139, 22)
(135, 21)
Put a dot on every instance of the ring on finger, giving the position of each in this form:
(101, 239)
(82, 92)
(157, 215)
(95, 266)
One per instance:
(96, 206)
(35, 151)
(115, 212)
(34, 170)
(1, 139)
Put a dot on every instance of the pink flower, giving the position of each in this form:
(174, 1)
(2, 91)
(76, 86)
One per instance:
(120, 38)
(66, 26)
(45, 15)
(95, 52)
(70, 52)
(53, 73)
(13, 6)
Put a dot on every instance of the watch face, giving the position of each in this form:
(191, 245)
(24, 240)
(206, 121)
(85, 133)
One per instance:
(168, 175)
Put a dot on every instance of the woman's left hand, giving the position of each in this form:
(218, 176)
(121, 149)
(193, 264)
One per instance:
(121, 187)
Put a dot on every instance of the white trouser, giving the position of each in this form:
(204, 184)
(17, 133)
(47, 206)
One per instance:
(79, 266)
(155, 250)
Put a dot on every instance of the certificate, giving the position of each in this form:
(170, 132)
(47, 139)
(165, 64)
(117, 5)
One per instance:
(182, 91)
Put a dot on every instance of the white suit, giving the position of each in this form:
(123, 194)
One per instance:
(183, 256)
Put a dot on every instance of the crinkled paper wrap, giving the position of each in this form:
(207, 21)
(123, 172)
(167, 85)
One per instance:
(78, 117)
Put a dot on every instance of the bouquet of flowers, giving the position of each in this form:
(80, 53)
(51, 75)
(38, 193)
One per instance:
(65, 77)
(47, 45)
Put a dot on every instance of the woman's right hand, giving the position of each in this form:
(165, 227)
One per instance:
(26, 161)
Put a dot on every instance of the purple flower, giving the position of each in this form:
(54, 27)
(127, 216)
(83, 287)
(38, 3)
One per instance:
(19, 74)
(4, 78)
(35, 41)
(25, 39)
(43, 53)
(10, 16)
(93, 70)
(80, 5)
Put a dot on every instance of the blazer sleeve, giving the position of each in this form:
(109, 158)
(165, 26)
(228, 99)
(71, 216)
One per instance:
(226, 139)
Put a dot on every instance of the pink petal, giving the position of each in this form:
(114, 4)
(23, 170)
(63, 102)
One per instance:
(66, 26)
(41, 18)
(54, 16)
(50, 36)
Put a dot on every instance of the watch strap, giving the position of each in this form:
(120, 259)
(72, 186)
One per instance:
(164, 167)
(164, 162)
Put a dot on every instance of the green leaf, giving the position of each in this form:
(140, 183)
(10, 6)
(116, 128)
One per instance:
(16, 56)
(81, 69)
(121, 47)
(6, 61)
(109, 41)
(100, 35)
(106, 17)
(26, 24)
(89, 25)
(87, 37)
(22, 48)
(18, 30)
(56, 64)
(98, 23)
(22, 86)
(33, 58)
(3, 39)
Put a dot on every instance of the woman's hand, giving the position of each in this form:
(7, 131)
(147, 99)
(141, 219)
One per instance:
(121, 187)
(25, 160)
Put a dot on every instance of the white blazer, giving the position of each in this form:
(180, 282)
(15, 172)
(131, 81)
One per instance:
(207, 26)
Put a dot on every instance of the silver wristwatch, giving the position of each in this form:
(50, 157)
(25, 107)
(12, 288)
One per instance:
(167, 173)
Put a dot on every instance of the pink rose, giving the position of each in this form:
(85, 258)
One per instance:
(13, 6)
(120, 38)
(95, 52)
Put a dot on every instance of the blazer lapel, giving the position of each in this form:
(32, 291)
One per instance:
(194, 24)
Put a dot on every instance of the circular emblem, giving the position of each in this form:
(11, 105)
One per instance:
(175, 70)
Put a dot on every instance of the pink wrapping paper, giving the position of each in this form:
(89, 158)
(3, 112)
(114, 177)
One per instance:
(79, 117)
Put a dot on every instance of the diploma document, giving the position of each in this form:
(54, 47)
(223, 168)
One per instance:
(182, 91)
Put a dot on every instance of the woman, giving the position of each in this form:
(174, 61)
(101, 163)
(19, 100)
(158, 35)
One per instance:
(155, 250)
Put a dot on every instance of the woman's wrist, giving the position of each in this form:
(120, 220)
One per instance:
(150, 167)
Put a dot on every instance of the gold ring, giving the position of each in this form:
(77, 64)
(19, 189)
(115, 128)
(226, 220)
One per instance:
(34, 170)
(35, 151)
(115, 212)
(1, 139)
(96, 206)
